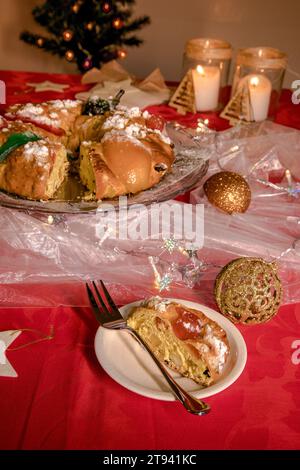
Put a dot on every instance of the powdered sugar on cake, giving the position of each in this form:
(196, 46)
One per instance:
(157, 303)
(122, 119)
(45, 113)
(67, 104)
(116, 121)
(116, 135)
(35, 113)
(134, 112)
(218, 349)
(37, 151)
(136, 130)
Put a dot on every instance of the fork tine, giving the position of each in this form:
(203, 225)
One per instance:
(100, 298)
(93, 303)
(108, 297)
(101, 315)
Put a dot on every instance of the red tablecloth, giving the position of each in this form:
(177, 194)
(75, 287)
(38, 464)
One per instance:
(62, 398)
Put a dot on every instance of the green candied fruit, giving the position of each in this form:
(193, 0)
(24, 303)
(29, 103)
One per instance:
(96, 106)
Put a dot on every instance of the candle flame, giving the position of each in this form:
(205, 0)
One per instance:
(200, 70)
(260, 53)
(254, 81)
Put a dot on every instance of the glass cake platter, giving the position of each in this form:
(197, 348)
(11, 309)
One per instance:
(191, 164)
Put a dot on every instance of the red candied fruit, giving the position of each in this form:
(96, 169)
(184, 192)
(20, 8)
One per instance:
(3, 123)
(46, 127)
(156, 122)
(187, 325)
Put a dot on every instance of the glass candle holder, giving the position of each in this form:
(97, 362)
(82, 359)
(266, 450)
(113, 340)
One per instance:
(209, 60)
(263, 68)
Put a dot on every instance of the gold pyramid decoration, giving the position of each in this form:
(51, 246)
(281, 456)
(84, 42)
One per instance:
(239, 109)
(183, 99)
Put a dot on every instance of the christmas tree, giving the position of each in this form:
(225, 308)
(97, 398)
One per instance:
(88, 32)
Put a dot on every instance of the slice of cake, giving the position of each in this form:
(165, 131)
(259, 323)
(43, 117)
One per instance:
(183, 338)
(96, 175)
(35, 170)
(121, 165)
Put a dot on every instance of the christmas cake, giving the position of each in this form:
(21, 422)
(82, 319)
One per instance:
(121, 150)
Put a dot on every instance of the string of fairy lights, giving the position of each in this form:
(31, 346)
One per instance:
(68, 35)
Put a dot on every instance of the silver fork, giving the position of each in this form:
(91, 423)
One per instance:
(109, 317)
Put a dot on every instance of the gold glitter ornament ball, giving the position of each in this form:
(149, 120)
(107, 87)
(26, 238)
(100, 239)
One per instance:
(248, 290)
(228, 191)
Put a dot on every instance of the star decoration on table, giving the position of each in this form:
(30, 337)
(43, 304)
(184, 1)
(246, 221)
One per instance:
(170, 244)
(165, 282)
(161, 282)
(188, 268)
(49, 86)
(6, 338)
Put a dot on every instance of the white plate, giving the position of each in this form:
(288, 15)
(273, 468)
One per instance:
(131, 366)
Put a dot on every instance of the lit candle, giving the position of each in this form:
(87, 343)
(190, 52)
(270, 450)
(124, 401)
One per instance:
(260, 89)
(206, 82)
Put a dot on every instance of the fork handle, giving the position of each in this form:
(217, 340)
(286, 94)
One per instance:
(193, 405)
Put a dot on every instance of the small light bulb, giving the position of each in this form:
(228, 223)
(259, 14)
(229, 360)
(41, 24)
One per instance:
(87, 63)
(69, 55)
(75, 8)
(106, 7)
(117, 23)
(89, 26)
(122, 54)
(67, 35)
(40, 42)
